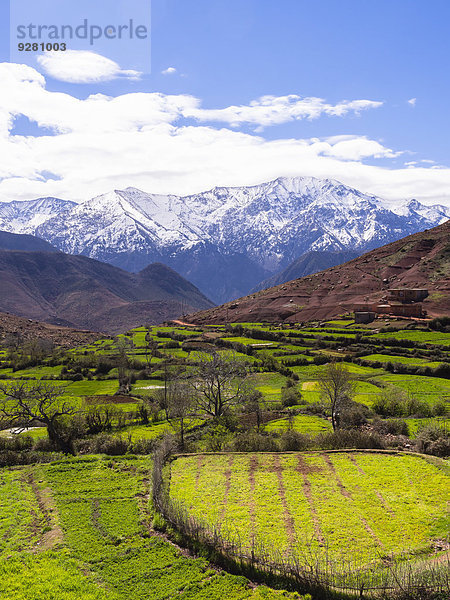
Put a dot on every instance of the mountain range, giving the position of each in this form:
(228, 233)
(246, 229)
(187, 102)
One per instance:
(77, 291)
(226, 240)
(421, 260)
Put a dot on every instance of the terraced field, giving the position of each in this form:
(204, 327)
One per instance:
(356, 506)
(80, 529)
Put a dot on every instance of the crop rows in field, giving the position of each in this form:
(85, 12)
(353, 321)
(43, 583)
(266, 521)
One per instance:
(105, 515)
(357, 506)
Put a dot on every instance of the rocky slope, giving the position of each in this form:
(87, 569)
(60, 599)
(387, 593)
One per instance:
(225, 240)
(24, 330)
(421, 260)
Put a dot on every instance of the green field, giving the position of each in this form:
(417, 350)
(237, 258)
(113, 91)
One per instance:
(80, 529)
(352, 506)
(405, 360)
(308, 424)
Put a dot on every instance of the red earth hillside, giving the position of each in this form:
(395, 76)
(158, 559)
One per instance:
(421, 260)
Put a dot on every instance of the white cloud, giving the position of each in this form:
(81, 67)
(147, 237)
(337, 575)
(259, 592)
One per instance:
(82, 66)
(275, 110)
(101, 143)
(169, 71)
(412, 101)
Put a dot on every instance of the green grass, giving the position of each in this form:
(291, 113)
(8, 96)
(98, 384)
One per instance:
(308, 424)
(250, 341)
(429, 389)
(92, 388)
(405, 360)
(424, 337)
(108, 550)
(415, 425)
(144, 432)
(269, 384)
(358, 506)
(53, 576)
(105, 519)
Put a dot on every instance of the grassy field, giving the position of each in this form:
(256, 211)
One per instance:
(404, 360)
(354, 506)
(80, 529)
(429, 389)
(302, 423)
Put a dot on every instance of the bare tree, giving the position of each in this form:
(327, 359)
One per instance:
(26, 404)
(337, 388)
(180, 407)
(218, 381)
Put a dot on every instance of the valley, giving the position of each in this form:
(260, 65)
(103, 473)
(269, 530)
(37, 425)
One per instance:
(267, 473)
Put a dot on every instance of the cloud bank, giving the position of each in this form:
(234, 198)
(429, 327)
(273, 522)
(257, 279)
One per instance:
(168, 144)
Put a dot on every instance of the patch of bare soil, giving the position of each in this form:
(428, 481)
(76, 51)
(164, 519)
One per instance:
(53, 535)
(341, 486)
(377, 493)
(227, 487)
(288, 519)
(251, 478)
(28, 329)
(303, 470)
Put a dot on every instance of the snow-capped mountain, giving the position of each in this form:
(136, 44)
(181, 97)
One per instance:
(226, 240)
(26, 216)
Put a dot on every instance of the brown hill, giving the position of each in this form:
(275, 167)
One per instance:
(80, 292)
(27, 329)
(421, 260)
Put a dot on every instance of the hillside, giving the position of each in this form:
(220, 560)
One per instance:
(421, 260)
(24, 330)
(225, 240)
(27, 243)
(307, 264)
(77, 291)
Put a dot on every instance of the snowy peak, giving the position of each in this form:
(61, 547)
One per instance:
(26, 216)
(226, 237)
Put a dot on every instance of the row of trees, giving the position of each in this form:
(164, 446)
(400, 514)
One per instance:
(216, 385)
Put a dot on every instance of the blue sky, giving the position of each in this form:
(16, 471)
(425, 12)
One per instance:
(225, 56)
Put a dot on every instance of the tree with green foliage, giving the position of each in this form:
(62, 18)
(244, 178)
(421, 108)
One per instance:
(337, 388)
(251, 402)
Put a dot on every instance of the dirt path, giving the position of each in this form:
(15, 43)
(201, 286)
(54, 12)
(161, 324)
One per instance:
(378, 494)
(53, 534)
(348, 495)
(227, 487)
(289, 523)
(303, 469)
(251, 478)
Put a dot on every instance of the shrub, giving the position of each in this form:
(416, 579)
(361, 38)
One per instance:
(294, 441)
(254, 442)
(433, 440)
(104, 444)
(390, 426)
(290, 396)
(348, 438)
(353, 415)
